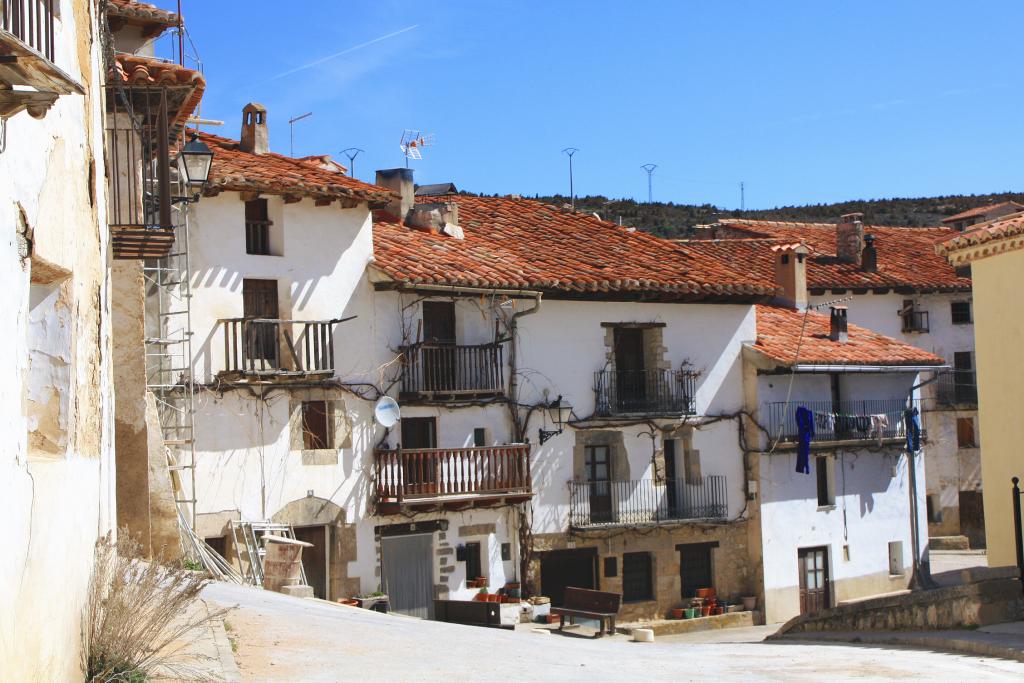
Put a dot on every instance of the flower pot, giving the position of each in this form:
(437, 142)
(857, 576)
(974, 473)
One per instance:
(348, 601)
(553, 618)
(705, 593)
(692, 612)
(705, 611)
(494, 597)
(718, 610)
(749, 603)
(678, 613)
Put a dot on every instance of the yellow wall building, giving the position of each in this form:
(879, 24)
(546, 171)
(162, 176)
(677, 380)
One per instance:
(995, 253)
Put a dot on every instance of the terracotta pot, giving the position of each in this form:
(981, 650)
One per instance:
(706, 593)
(678, 613)
(750, 603)
(719, 610)
(348, 601)
(553, 619)
(705, 611)
(494, 597)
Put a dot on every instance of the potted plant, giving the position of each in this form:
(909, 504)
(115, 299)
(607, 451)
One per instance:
(481, 595)
(678, 613)
(749, 603)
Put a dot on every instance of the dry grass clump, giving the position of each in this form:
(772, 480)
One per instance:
(140, 615)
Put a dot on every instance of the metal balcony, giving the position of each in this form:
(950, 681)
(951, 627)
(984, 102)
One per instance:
(645, 392)
(644, 501)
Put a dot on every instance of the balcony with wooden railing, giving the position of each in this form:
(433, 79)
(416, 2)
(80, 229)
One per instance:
(27, 58)
(451, 478)
(269, 349)
(450, 371)
(645, 392)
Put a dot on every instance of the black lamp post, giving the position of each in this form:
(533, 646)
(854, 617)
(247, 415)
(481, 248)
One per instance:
(194, 163)
(560, 414)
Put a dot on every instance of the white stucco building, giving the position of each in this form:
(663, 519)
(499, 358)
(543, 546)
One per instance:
(314, 295)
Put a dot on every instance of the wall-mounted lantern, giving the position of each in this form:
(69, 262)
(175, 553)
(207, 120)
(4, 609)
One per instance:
(560, 413)
(194, 164)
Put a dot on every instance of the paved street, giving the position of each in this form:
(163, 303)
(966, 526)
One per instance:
(287, 639)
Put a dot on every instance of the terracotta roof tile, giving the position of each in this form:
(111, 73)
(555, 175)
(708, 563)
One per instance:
(779, 332)
(141, 12)
(520, 243)
(906, 256)
(982, 210)
(237, 170)
(983, 233)
(188, 85)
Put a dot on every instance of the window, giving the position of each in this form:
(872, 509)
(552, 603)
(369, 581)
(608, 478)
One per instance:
(825, 472)
(913, 319)
(636, 577)
(611, 567)
(506, 552)
(419, 432)
(965, 433)
(896, 558)
(934, 508)
(316, 433)
(480, 437)
(695, 567)
(257, 228)
(961, 312)
(474, 570)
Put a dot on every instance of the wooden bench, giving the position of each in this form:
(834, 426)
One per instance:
(589, 604)
(470, 613)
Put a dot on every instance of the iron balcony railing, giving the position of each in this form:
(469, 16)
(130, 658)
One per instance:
(915, 321)
(261, 346)
(31, 22)
(652, 392)
(644, 501)
(957, 388)
(437, 472)
(871, 419)
(450, 369)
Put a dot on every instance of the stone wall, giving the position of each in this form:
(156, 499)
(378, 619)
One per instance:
(733, 573)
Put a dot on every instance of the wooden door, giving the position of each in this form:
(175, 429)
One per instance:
(815, 584)
(561, 569)
(630, 378)
(672, 482)
(695, 568)
(598, 471)
(439, 353)
(419, 468)
(314, 560)
(259, 300)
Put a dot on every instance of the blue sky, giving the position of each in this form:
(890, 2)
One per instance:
(805, 102)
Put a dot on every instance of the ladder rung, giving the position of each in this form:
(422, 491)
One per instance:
(185, 500)
(178, 468)
(178, 442)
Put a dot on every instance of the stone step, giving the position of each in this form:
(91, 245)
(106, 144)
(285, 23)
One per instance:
(948, 543)
(664, 627)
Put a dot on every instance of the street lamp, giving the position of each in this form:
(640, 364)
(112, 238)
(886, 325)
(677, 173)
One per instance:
(559, 413)
(194, 163)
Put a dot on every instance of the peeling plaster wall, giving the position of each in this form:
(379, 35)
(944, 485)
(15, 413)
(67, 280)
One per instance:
(56, 494)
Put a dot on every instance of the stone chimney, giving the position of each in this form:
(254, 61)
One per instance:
(791, 274)
(398, 180)
(850, 238)
(837, 329)
(254, 136)
(869, 256)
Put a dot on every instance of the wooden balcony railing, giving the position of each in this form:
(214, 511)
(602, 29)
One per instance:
(262, 346)
(31, 22)
(651, 392)
(644, 501)
(405, 474)
(451, 370)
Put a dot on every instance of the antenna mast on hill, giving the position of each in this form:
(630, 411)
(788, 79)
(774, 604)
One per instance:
(351, 153)
(650, 171)
(412, 142)
(572, 194)
(743, 198)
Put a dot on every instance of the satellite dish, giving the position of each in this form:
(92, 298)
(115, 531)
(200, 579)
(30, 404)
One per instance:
(386, 412)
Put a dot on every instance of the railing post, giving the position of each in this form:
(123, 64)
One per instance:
(1017, 535)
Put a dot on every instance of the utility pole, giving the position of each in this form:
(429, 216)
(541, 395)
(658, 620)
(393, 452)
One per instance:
(291, 126)
(650, 171)
(743, 199)
(572, 194)
(351, 153)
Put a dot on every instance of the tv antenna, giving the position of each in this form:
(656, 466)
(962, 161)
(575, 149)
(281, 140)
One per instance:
(351, 153)
(291, 127)
(412, 142)
(743, 197)
(572, 195)
(650, 171)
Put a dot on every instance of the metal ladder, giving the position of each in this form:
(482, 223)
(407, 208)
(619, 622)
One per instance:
(250, 553)
(169, 377)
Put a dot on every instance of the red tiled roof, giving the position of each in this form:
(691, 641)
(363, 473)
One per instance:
(188, 85)
(237, 170)
(982, 210)
(982, 234)
(906, 256)
(141, 13)
(779, 331)
(518, 243)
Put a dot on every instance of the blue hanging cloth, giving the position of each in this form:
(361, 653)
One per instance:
(805, 431)
(912, 420)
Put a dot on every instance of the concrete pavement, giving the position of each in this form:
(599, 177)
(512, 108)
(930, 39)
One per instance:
(289, 639)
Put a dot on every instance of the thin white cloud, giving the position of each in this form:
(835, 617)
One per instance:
(317, 62)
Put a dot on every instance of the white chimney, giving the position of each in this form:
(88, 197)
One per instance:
(399, 181)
